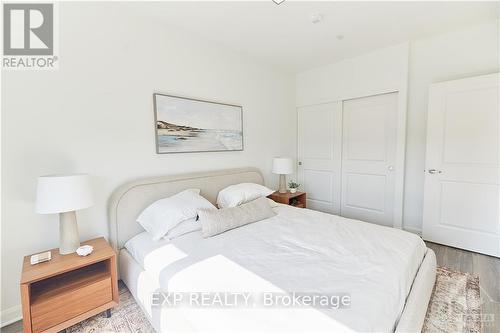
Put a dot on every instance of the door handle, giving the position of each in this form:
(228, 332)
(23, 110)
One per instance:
(434, 171)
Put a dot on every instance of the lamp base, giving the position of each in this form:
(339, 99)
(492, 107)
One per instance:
(282, 188)
(69, 240)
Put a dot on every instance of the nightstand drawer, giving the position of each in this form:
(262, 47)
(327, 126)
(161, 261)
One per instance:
(53, 309)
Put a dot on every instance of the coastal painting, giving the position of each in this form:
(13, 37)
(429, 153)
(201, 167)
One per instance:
(190, 125)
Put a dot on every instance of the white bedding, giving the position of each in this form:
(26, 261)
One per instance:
(298, 250)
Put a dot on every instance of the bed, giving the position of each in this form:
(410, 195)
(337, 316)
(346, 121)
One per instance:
(388, 274)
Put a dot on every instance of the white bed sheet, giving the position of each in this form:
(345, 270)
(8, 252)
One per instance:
(298, 250)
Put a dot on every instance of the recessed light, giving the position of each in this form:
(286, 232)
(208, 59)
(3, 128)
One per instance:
(316, 18)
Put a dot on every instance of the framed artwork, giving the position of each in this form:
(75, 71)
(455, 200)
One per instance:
(185, 125)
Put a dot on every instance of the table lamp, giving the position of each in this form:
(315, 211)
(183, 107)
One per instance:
(282, 166)
(64, 194)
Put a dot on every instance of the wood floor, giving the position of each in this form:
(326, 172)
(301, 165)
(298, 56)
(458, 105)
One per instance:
(487, 268)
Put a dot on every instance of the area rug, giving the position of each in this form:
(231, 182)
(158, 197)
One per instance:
(455, 307)
(455, 304)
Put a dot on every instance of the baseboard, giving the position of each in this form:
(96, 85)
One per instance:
(413, 230)
(10, 315)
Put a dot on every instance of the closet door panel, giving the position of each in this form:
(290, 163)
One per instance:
(369, 157)
(319, 155)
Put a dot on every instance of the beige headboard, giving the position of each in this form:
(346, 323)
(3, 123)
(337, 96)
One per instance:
(130, 199)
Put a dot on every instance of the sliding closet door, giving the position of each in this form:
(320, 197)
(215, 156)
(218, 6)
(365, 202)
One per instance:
(461, 200)
(369, 158)
(319, 155)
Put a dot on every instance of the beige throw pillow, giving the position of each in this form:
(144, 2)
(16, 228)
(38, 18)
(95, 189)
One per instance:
(214, 222)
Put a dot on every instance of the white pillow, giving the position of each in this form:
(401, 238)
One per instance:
(141, 245)
(214, 222)
(163, 215)
(236, 195)
(183, 228)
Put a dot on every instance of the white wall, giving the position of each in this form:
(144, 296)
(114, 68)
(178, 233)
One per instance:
(95, 115)
(383, 70)
(466, 52)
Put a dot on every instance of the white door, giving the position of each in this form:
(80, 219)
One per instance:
(461, 200)
(319, 155)
(369, 158)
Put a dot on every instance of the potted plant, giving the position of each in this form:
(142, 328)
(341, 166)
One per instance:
(293, 186)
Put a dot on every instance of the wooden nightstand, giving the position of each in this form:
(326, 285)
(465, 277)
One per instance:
(297, 199)
(68, 289)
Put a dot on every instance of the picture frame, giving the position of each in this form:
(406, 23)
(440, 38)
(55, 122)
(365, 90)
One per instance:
(189, 125)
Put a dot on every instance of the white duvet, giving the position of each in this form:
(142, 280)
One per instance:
(298, 250)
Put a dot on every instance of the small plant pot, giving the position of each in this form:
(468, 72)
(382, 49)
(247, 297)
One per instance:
(293, 190)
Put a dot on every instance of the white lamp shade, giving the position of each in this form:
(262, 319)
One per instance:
(282, 165)
(63, 193)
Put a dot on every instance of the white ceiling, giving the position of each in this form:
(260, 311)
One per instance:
(283, 35)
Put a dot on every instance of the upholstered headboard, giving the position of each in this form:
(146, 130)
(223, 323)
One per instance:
(130, 199)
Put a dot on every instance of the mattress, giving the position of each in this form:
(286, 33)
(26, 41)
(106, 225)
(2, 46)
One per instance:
(298, 251)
